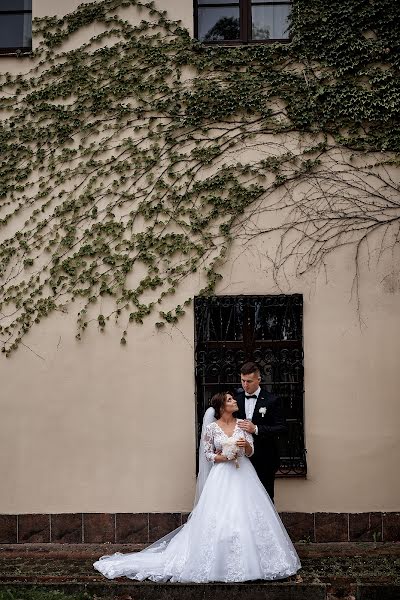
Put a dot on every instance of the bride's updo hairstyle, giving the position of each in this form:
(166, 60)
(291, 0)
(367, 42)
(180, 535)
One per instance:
(218, 403)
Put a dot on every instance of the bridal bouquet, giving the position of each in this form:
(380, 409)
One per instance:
(230, 450)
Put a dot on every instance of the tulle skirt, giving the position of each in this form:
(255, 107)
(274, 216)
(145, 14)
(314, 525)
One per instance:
(233, 534)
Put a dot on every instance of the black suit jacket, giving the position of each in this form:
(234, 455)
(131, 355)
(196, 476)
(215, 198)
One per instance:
(266, 453)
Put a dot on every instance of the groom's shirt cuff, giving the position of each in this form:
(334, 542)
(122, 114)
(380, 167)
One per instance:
(256, 430)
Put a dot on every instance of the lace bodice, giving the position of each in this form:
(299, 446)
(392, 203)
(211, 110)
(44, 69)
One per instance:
(214, 437)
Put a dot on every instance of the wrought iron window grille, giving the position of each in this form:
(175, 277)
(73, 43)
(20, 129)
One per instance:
(231, 330)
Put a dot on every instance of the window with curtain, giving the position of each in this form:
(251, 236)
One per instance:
(241, 21)
(15, 26)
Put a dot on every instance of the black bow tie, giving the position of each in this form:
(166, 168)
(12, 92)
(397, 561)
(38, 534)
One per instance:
(253, 396)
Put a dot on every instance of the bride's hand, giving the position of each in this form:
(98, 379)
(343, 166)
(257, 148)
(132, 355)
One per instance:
(242, 443)
(220, 457)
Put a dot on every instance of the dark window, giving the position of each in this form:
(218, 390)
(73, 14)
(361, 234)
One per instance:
(231, 330)
(15, 26)
(241, 21)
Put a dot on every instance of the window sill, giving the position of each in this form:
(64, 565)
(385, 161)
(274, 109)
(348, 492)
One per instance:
(15, 52)
(243, 43)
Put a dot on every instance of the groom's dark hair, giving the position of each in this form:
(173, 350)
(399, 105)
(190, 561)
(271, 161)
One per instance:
(250, 367)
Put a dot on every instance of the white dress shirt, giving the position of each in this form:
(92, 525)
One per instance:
(250, 404)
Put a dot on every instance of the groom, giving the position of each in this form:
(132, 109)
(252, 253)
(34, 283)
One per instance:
(262, 415)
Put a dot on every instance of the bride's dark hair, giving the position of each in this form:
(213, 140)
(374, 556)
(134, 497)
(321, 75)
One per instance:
(218, 403)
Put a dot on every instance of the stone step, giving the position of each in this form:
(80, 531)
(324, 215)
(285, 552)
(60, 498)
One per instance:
(173, 591)
(305, 550)
(210, 591)
(345, 571)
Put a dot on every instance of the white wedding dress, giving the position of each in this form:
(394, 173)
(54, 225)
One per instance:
(233, 533)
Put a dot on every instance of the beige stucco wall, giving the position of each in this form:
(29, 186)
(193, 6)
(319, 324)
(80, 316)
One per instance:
(94, 426)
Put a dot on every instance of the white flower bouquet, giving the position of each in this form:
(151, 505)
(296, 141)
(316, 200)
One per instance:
(230, 450)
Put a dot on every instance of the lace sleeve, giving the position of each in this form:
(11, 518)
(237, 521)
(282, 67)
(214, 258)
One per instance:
(249, 438)
(208, 444)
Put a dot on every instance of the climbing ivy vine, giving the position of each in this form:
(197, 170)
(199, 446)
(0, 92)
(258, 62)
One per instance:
(133, 161)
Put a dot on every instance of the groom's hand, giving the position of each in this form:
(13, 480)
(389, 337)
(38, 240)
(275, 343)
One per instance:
(247, 425)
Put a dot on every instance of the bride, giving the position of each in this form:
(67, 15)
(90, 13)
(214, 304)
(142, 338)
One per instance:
(233, 533)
